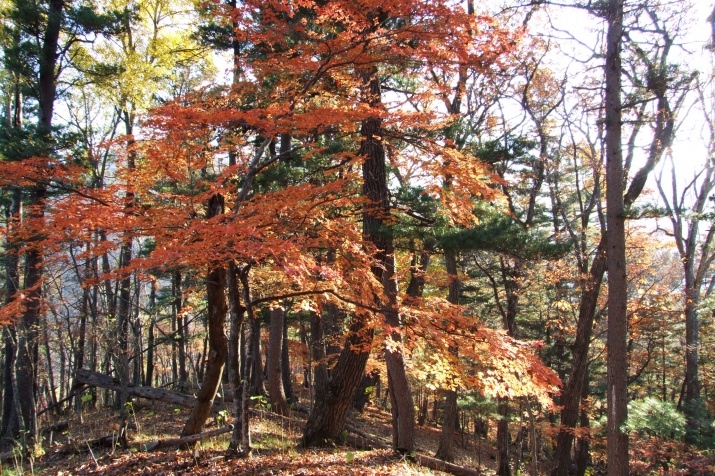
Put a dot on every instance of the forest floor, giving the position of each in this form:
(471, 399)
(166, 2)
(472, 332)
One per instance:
(274, 439)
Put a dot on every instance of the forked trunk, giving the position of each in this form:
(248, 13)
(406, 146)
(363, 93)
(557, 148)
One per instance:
(327, 419)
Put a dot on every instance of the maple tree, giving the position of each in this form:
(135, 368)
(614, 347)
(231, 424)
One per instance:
(406, 193)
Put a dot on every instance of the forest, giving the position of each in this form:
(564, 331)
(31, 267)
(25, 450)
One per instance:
(357, 237)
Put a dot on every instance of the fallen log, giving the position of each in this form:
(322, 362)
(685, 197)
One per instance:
(439, 465)
(97, 379)
(109, 441)
(187, 440)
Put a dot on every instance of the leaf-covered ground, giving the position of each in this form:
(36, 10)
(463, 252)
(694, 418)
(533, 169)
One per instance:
(274, 440)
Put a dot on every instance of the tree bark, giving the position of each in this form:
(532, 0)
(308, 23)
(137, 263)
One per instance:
(617, 442)
(327, 418)
(149, 373)
(218, 344)
(445, 450)
(181, 333)
(87, 377)
(246, 394)
(286, 368)
(317, 345)
(26, 358)
(379, 233)
(238, 313)
(276, 396)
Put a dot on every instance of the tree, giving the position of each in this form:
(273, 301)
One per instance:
(695, 251)
(616, 251)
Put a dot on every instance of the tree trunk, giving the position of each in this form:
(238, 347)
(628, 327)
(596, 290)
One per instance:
(503, 468)
(137, 331)
(276, 396)
(617, 441)
(328, 415)
(246, 394)
(572, 392)
(583, 442)
(218, 344)
(317, 344)
(238, 313)
(256, 379)
(327, 418)
(149, 374)
(286, 368)
(26, 358)
(446, 440)
(87, 377)
(181, 334)
(362, 396)
(692, 381)
(10, 424)
(378, 232)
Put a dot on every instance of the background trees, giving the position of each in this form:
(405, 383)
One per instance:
(414, 189)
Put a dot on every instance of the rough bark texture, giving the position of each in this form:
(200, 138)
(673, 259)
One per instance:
(218, 344)
(617, 400)
(238, 313)
(379, 233)
(327, 419)
(503, 468)
(276, 396)
(149, 374)
(25, 378)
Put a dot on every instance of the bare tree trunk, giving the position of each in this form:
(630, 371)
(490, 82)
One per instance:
(379, 233)
(276, 397)
(238, 313)
(181, 333)
(149, 374)
(137, 331)
(218, 344)
(317, 343)
(327, 418)
(573, 389)
(446, 440)
(286, 368)
(257, 381)
(617, 442)
(503, 468)
(48, 365)
(246, 394)
(174, 330)
(582, 443)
